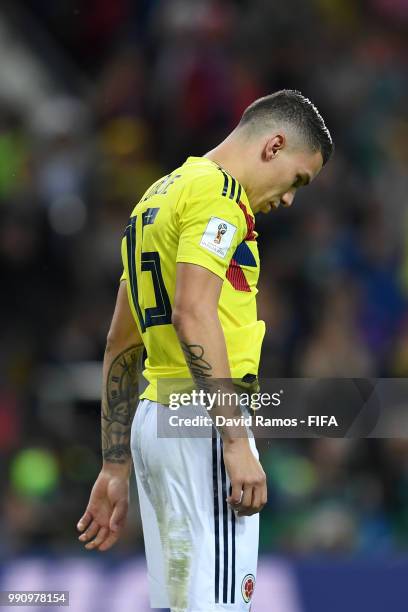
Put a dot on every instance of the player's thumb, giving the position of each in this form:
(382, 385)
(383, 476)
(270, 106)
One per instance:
(118, 516)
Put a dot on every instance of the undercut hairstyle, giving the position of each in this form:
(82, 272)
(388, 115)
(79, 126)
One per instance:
(291, 107)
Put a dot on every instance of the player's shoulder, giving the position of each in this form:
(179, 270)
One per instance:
(207, 177)
(211, 190)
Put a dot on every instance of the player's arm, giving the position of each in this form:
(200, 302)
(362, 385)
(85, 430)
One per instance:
(106, 512)
(196, 321)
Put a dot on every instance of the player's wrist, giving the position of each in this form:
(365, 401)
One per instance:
(233, 438)
(122, 469)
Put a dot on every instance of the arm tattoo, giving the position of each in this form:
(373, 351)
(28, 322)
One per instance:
(201, 370)
(119, 404)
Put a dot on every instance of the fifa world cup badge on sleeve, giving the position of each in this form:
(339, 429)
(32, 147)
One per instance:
(218, 236)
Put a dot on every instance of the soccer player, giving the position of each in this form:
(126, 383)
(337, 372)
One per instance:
(187, 297)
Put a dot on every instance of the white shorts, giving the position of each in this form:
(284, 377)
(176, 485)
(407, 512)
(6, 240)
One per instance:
(201, 556)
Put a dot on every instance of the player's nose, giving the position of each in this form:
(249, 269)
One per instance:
(287, 199)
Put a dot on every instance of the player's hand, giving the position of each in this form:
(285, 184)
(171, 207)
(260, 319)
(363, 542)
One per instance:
(105, 516)
(248, 480)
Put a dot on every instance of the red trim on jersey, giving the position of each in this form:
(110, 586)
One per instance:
(236, 276)
(250, 221)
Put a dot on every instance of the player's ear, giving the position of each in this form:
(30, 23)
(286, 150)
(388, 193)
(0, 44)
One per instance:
(272, 146)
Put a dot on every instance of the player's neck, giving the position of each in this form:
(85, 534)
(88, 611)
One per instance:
(225, 155)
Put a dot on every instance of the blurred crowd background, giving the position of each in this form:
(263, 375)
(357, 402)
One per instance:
(100, 98)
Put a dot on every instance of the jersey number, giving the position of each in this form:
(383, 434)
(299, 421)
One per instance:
(150, 262)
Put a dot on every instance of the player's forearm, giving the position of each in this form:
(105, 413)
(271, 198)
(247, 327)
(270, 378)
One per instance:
(120, 394)
(203, 343)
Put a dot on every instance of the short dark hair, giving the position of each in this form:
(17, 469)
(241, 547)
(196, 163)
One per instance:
(290, 106)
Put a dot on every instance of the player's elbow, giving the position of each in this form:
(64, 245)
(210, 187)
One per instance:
(191, 318)
(180, 317)
(123, 331)
(119, 338)
(113, 339)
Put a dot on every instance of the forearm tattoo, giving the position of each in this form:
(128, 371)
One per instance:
(202, 372)
(200, 368)
(119, 403)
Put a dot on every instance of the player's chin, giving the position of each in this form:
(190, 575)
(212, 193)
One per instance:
(268, 206)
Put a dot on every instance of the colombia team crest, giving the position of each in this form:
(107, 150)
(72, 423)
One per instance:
(247, 587)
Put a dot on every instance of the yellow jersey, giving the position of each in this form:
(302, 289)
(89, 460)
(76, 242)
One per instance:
(198, 214)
